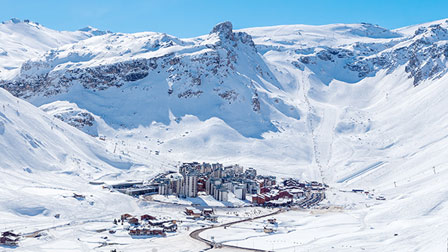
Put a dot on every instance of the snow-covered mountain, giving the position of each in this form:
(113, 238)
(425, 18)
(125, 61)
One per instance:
(43, 162)
(153, 75)
(34, 140)
(23, 40)
(268, 82)
(354, 105)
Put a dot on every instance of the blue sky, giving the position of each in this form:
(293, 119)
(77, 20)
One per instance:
(197, 17)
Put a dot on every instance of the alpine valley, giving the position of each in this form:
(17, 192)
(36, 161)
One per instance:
(352, 106)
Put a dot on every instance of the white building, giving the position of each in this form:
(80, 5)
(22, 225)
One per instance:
(223, 194)
(163, 189)
(211, 184)
(191, 185)
(240, 192)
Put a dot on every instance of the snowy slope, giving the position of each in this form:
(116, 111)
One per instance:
(355, 106)
(295, 80)
(277, 85)
(302, 36)
(23, 40)
(221, 72)
(32, 139)
(383, 131)
(73, 115)
(44, 161)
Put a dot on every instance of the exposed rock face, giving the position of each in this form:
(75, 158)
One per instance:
(424, 56)
(222, 71)
(255, 103)
(78, 120)
(46, 76)
(221, 68)
(55, 82)
(224, 30)
(73, 115)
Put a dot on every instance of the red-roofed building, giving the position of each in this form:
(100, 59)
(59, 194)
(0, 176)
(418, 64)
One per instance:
(285, 194)
(147, 217)
(133, 220)
(258, 199)
(264, 190)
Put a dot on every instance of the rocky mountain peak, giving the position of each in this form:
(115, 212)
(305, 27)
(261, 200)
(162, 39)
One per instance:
(224, 30)
(18, 21)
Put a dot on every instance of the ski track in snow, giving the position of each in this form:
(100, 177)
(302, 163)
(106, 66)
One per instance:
(362, 172)
(336, 104)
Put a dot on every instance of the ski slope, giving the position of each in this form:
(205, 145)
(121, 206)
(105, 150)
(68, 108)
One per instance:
(352, 105)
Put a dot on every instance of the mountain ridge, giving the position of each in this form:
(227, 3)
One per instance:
(354, 106)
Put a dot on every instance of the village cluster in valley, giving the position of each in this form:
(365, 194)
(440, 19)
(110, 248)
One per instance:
(223, 183)
(229, 194)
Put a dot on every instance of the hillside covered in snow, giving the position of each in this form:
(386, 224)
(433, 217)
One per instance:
(24, 40)
(352, 105)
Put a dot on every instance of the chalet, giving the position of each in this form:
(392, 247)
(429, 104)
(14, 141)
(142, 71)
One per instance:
(258, 199)
(264, 190)
(157, 231)
(125, 216)
(273, 197)
(315, 183)
(9, 233)
(133, 220)
(196, 213)
(292, 182)
(285, 194)
(158, 223)
(147, 217)
(147, 231)
(170, 227)
(296, 193)
(9, 241)
(189, 210)
(207, 211)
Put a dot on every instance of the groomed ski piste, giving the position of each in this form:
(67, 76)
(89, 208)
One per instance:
(383, 133)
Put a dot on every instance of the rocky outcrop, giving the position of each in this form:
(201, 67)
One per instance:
(73, 115)
(225, 32)
(424, 56)
(46, 77)
(220, 70)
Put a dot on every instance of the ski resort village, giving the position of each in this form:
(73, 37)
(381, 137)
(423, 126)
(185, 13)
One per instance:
(204, 189)
(196, 201)
(200, 198)
(226, 184)
(191, 133)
